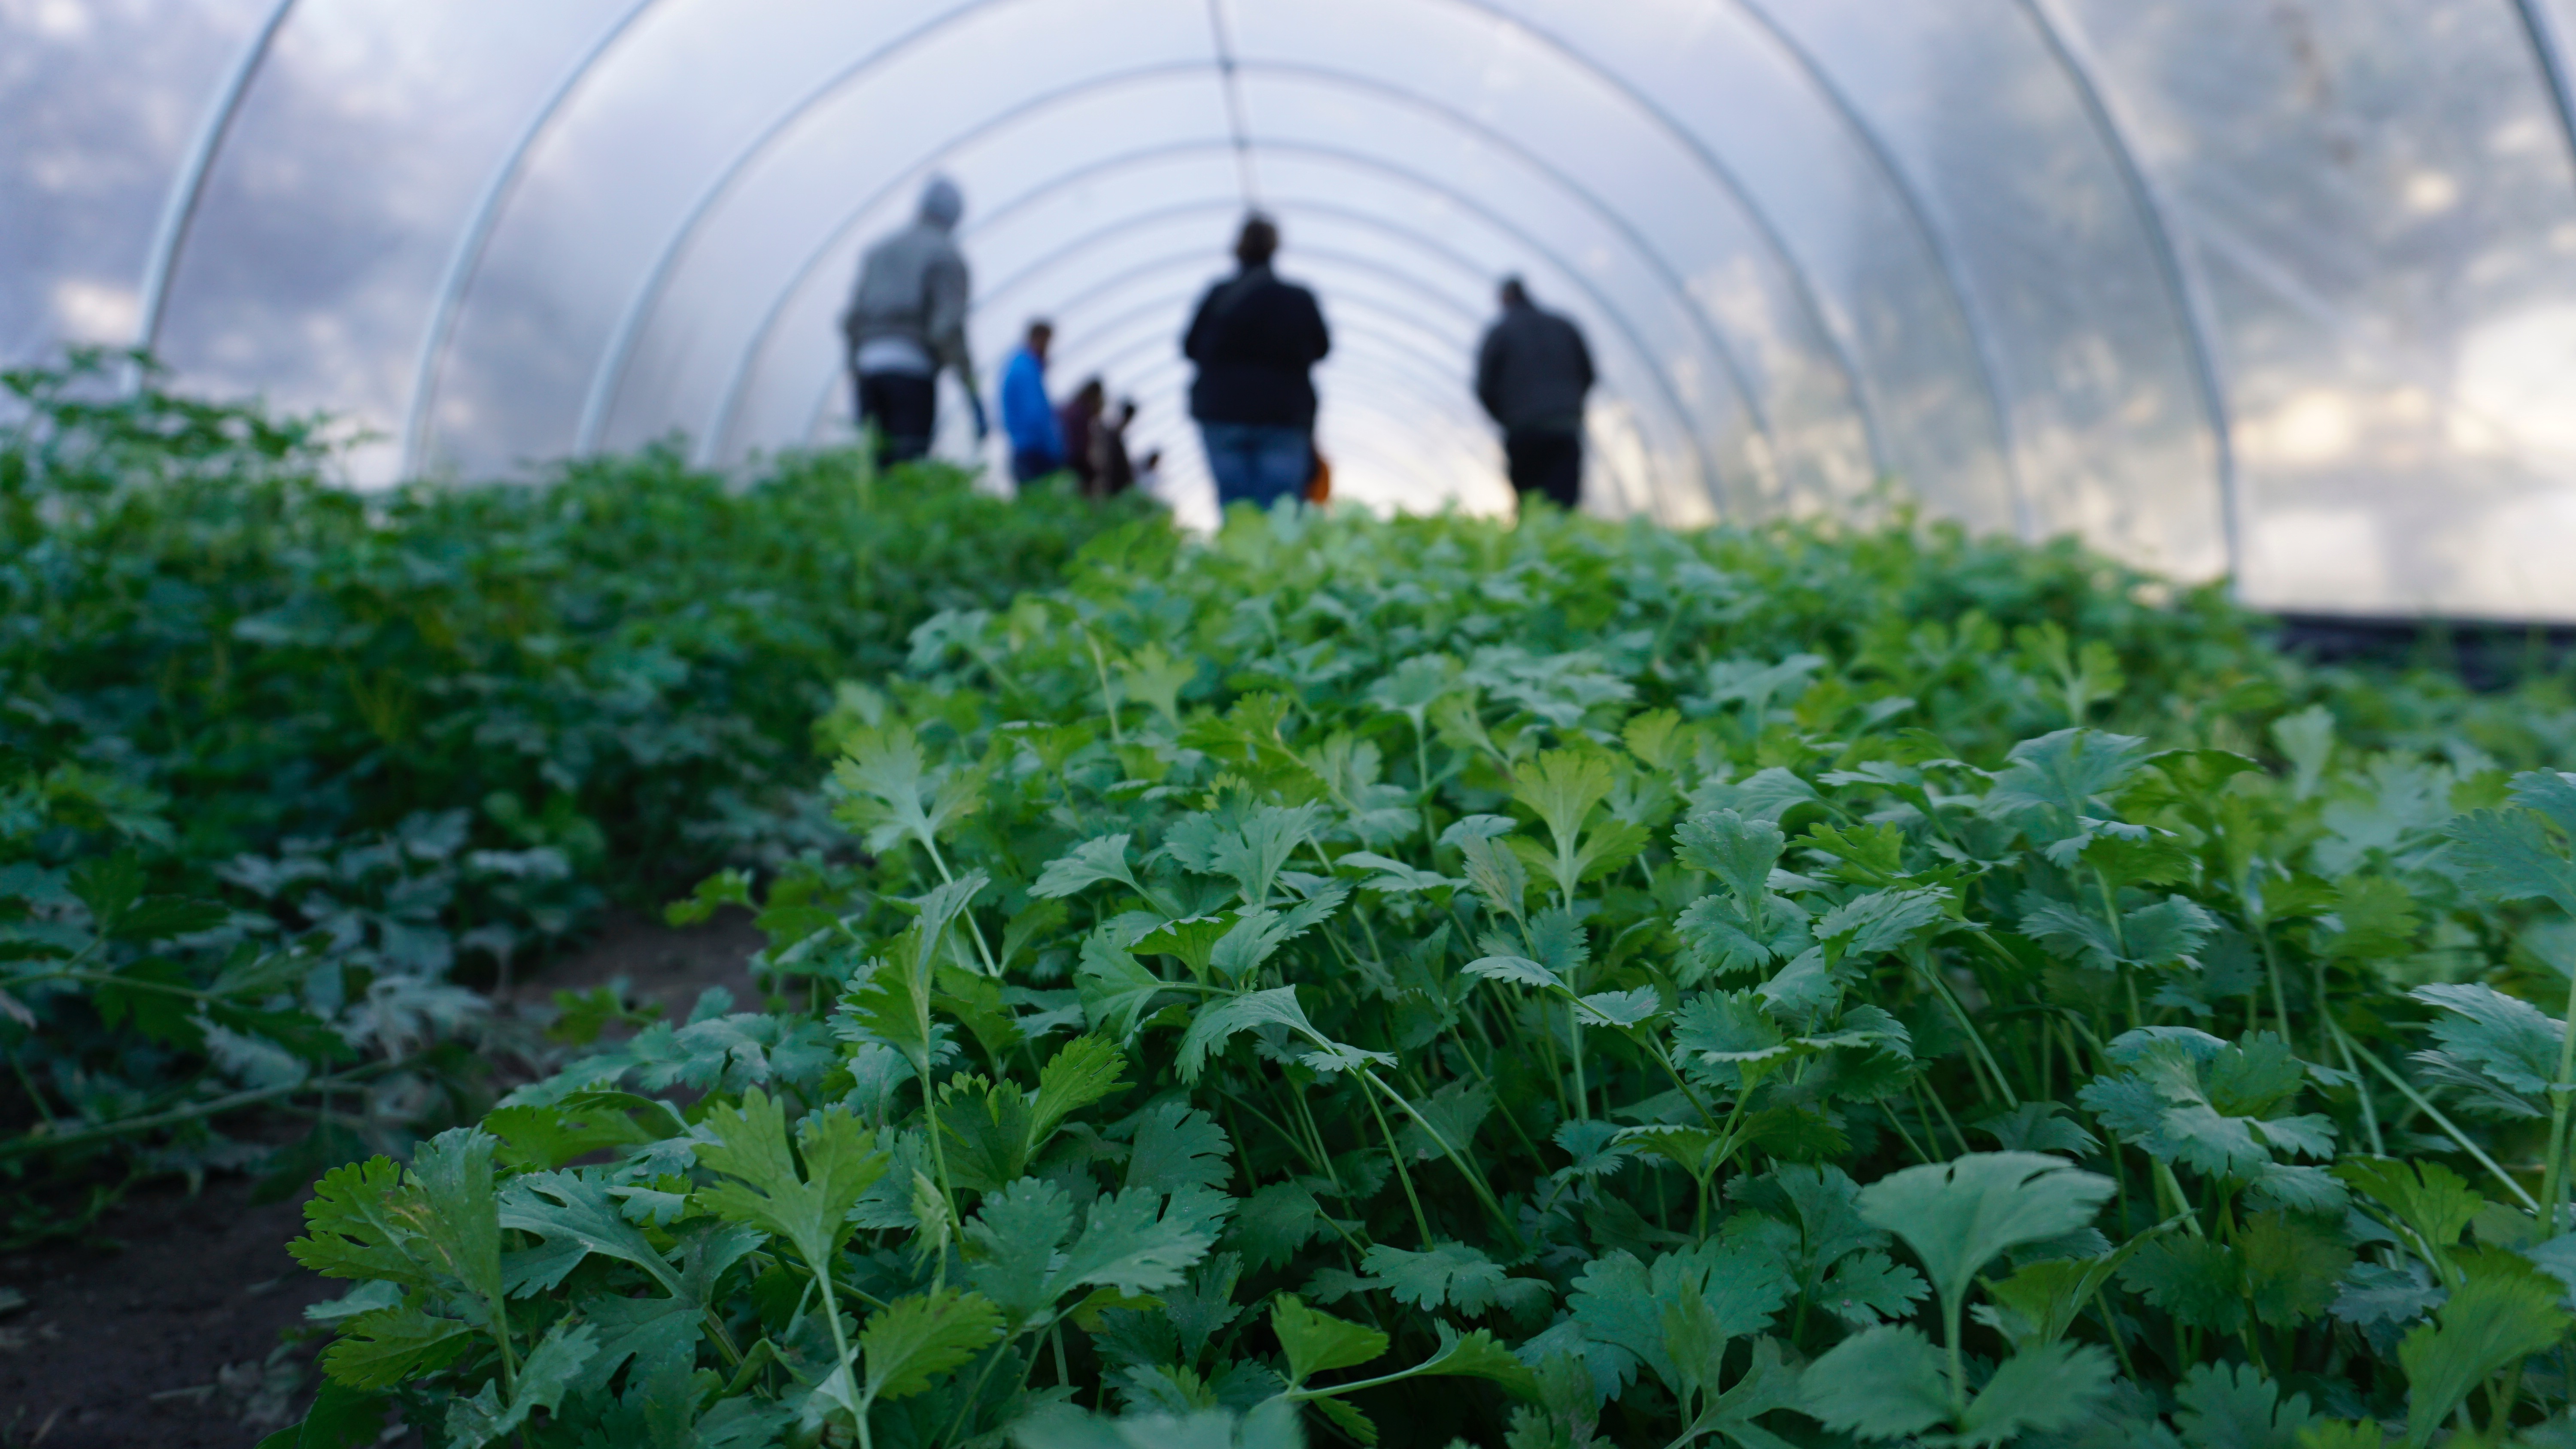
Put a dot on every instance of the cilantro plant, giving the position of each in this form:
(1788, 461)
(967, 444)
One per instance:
(1430, 983)
(282, 764)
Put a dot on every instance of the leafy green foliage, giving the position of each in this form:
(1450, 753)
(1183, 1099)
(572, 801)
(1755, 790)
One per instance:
(1581, 965)
(279, 758)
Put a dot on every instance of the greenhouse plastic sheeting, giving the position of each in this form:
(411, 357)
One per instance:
(2281, 289)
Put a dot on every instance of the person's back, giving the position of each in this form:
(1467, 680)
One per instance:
(1114, 471)
(906, 321)
(1532, 375)
(1078, 420)
(1255, 339)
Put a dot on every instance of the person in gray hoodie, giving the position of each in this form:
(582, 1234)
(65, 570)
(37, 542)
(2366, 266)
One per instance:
(1531, 375)
(905, 322)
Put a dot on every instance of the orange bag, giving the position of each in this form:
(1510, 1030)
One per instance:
(1319, 488)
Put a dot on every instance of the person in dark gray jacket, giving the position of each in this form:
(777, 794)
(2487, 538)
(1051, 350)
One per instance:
(1531, 375)
(906, 321)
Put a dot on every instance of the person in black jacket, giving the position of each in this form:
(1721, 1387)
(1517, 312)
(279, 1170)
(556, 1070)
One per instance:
(1531, 375)
(1254, 337)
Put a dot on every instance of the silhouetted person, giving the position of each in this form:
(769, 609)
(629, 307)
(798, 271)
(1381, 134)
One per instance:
(1531, 375)
(1028, 418)
(1077, 420)
(907, 320)
(1112, 470)
(1254, 338)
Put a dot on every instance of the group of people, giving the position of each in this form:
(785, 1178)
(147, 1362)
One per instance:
(1083, 437)
(1255, 339)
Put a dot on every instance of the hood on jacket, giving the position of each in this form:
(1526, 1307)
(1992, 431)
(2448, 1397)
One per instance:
(942, 203)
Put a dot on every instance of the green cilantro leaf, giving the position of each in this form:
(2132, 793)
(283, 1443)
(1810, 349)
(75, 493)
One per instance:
(810, 1209)
(911, 1342)
(1318, 1342)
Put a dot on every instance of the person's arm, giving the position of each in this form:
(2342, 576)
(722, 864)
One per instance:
(1321, 344)
(1582, 356)
(944, 321)
(1489, 373)
(1194, 341)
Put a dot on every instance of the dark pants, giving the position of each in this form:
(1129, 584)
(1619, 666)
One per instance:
(903, 409)
(1549, 464)
(1028, 465)
(1258, 463)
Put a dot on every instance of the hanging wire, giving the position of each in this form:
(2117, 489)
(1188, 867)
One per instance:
(1245, 172)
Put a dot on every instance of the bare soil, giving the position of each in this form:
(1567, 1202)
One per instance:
(164, 1327)
(177, 1322)
(660, 963)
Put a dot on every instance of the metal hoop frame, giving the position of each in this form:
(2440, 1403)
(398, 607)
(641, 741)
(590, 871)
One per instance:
(1614, 315)
(1983, 348)
(466, 257)
(188, 187)
(610, 371)
(2182, 281)
(720, 426)
(728, 399)
(2061, 37)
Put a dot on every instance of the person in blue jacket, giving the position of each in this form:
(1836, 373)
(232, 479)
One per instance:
(1028, 418)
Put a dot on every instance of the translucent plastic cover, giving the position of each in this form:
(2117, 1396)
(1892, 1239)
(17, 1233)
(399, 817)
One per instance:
(2282, 291)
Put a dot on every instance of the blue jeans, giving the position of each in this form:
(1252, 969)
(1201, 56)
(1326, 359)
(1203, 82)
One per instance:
(1258, 463)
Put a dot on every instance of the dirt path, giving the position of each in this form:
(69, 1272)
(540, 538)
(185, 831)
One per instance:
(179, 1323)
(171, 1339)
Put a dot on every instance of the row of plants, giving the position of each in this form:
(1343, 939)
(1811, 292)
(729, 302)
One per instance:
(1432, 983)
(283, 763)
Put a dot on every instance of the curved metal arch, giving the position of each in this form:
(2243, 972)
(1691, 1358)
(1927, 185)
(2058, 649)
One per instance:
(1395, 395)
(719, 431)
(1380, 334)
(1618, 223)
(1436, 407)
(466, 257)
(610, 372)
(1366, 323)
(1801, 279)
(188, 187)
(2550, 49)
(1170, 302)
(1981, 341)
(586, 433)
(2182, 283)
(1197, 260)
(1177, 303)
(1381, 408)
(1137, 343)
(1464, 442)
(739, 375)
(1616, 316)
(1371, 325)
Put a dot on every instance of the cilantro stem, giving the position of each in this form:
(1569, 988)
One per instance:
(1976, 1036)
(1907, 1137)
(1475, 1178)
(110, 978)
(2272, 973)
(44, 1109)
(1108, 696)
(2553, 1182)
(41, 1140)
(2449, 1128)
(2360, 1088)
(1421, 1224)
